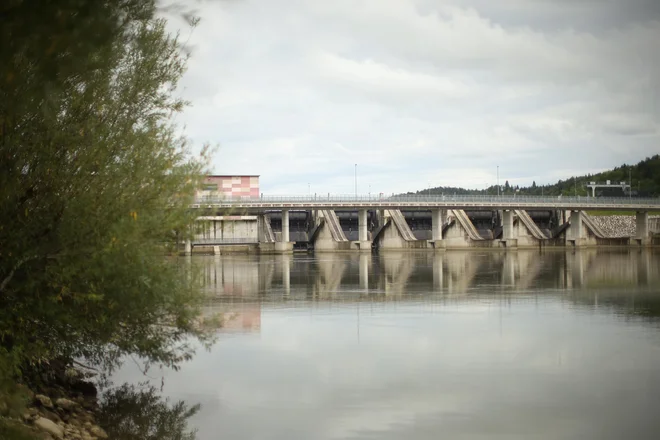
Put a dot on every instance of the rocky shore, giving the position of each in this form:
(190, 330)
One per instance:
(64, 409)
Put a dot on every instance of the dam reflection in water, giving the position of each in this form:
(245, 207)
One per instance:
(248, 280)
(475, 345)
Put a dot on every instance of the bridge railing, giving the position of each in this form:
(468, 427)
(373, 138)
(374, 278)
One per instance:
(417, 198)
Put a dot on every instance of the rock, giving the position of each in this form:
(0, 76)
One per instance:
(73, 373)
(51, 416)
(49, 427)
(66, 404)
(26, 416)
(44, 400)
(98, 431)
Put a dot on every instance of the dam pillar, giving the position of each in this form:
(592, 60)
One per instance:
(380, 216)
(285, 226)
(436, 228)
(284, 245)
(364, 244)
(508, 233)
(642, 224)
(575, 235)
(362, 225)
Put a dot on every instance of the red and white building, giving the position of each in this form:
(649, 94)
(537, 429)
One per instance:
(231, 186)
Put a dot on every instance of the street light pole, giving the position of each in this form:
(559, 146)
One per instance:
(356, 181)
(630, 180)
(498, 180)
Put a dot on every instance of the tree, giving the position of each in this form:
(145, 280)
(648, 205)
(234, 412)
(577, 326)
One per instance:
(94, 180)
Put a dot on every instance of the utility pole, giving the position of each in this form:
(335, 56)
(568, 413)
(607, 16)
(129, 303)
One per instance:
(630, 180)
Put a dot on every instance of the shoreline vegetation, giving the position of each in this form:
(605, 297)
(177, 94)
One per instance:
(61, 402)
(94, 177)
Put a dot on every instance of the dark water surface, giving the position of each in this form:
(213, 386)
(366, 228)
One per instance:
(475, 345)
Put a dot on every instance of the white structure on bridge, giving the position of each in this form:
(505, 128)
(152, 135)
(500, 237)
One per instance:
(608, 184)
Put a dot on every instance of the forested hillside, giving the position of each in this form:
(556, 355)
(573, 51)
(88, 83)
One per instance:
(645, 183)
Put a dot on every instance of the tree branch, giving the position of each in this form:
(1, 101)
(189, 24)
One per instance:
(18, 264)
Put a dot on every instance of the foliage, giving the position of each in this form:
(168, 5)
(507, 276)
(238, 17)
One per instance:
(94, 181)
(13, 430)
(131, 413)
(645, 183)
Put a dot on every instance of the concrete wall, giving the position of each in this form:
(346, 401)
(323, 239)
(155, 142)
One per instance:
(244, 227)
(654, 225)
(455, 237)
(390, 238)
(524, 237)
(325, 243)
(226, 249)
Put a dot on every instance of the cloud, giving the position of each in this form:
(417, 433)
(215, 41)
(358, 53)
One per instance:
(419, 92)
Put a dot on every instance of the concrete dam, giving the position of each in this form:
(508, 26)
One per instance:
(283, 225)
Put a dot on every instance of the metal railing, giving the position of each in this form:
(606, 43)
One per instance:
(487, 200)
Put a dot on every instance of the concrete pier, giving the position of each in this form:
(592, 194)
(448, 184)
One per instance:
(509, 236)
(436, 229)
(575, 231)
(642, 223)
(364, 244)
(507, 225)
(285, 226)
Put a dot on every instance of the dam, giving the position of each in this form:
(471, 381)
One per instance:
(280, 224)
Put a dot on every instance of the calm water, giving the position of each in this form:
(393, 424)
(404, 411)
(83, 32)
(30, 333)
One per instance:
(516, 345)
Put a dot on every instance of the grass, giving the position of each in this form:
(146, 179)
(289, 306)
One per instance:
(14, 430)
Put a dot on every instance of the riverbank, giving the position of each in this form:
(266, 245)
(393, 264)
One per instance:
(61, 403)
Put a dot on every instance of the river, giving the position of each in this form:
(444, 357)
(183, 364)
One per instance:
(458, 345)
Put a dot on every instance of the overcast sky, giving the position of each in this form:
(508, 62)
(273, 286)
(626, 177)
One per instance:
(422, 92)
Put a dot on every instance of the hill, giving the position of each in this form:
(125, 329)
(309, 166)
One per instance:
(645, 183)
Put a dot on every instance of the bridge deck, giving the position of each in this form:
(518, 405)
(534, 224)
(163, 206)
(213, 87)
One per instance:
(430, 202)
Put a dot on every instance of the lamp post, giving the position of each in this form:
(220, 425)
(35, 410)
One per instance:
(356, 181)
(630, 180)
(498, 181)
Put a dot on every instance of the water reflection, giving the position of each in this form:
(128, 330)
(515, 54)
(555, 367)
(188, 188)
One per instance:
(412, 275)
(473, 345)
